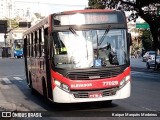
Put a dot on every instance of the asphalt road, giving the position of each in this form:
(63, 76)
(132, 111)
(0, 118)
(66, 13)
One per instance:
(145, 96)
(137, 63)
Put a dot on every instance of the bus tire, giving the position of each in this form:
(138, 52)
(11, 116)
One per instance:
(28, 79)
(108, 102)
(33, 91)
(45, 98)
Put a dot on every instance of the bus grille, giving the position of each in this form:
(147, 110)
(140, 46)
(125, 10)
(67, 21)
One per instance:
(94, 74)
(85, 94)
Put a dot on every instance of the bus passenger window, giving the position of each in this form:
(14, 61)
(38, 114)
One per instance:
(41, 42)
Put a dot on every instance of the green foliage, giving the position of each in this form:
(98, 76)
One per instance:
(38, 15)
(147, 44)
(146, 9)
(12, 23)
(147, 41)
(96, 4)
(136, 45)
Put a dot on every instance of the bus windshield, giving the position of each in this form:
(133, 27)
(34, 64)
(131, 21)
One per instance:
(89, 48)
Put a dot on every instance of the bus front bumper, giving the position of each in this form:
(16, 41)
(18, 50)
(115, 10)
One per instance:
(60, 96)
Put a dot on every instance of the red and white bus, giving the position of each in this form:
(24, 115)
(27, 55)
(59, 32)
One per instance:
(79, 56)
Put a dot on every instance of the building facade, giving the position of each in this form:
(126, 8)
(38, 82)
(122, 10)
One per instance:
(7, 9)
(10, 9)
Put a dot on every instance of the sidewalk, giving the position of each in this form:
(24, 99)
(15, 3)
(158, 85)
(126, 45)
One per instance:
(4, 105)
(9, 106)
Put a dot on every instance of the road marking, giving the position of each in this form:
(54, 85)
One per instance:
(17, 78)
(13, 76)
(145, 74)
(135, 72)
(6, 80)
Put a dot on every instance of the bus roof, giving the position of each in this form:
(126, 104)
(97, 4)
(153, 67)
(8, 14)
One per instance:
(46, 20)
(87, 11)
(38, 25)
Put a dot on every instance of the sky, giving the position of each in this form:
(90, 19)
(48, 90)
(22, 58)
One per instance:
(46, 7)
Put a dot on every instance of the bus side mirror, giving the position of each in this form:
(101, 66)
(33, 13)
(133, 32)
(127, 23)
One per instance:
(129, 39)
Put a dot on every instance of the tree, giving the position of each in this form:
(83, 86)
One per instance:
(14, 23)
(38, 15)
(94, 4)
(146, 9)
(147, 40)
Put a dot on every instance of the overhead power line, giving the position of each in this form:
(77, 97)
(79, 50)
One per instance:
(53, 4)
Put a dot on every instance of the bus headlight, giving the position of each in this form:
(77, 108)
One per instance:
(57, 83)
(61, 85)
(124, 81)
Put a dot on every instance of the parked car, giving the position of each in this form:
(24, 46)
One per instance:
(151, 63)
(148, 55)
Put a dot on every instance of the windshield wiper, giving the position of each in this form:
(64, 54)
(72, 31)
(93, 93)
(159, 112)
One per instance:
(104, 35)
(73, 31)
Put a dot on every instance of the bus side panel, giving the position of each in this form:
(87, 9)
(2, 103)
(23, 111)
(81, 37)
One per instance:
(41, 73)
(25, 59)
(33, 73)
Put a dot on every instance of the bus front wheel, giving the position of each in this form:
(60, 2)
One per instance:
(108, 102)
(44, 91)
(33, 91)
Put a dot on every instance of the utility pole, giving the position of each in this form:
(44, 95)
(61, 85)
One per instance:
(3, 29)
(10, 27)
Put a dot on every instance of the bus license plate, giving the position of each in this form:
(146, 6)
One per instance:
(95, 94)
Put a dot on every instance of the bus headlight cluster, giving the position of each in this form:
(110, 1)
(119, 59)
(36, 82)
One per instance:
(61, 85)
(124, 81)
